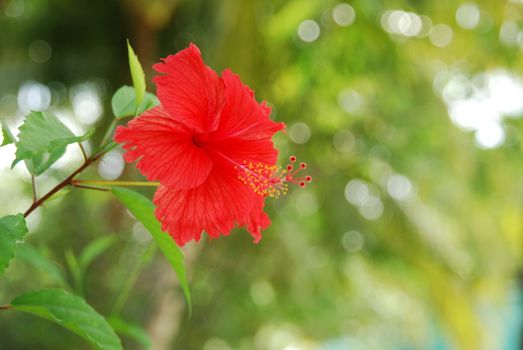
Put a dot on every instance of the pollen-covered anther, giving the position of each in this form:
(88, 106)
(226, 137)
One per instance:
(261, 178)
(269, 180)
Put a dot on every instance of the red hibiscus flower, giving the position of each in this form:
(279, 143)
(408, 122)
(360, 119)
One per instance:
(209, 145)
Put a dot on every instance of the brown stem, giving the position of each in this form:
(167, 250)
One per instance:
(66, 182)
(5, 307)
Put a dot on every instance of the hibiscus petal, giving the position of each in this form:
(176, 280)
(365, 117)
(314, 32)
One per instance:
(257, 220)
(190, 91)
(237, 151)
(164, 149)
(242, 116)
(215, 207)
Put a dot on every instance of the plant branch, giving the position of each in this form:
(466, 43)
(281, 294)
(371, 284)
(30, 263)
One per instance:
(5, 307)
(64, 183)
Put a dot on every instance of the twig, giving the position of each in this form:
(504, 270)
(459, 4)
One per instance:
(64, 183)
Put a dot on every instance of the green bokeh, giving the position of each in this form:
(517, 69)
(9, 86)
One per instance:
(429, 259)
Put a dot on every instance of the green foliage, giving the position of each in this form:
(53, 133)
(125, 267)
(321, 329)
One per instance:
(12, 230)
(95, 249)
(78, 266)
(124, 102)
(143, 210)
(137, 74)
(131, 330)
(42, 141)
(41, 262)
(8, 137)
(71, 312)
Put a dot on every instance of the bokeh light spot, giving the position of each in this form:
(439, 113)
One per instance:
(343, 14)
(343, 141)
(399, 187)
(441, 35)
(309, 30)
(508, 33)
(351, 101)
(352, 241)
(40, 51)
(111, 166)
(467, 15)
(299, 133)
(490, 135)
(33, 96)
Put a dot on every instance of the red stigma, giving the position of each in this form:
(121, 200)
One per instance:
(270, 180)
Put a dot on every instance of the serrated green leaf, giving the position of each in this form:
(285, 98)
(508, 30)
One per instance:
(42, 140)
(124, 104)
(133, 331)
(137, 74)
(8, 137)
(12, 230)
(41, 262)
(143, 210)
(72, 312)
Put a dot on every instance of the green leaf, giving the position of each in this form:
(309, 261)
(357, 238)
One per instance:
(137, 74)
(94, 249)
(8, 137)
(41, 262)
(131, 330)
(143, 210)
(149, 101)
(12, 230)
(124, 104)
(107, 147)
(42, 141)
(71, 312)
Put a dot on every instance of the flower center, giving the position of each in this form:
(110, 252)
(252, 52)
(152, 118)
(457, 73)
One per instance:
(270, 180)
(199, 139)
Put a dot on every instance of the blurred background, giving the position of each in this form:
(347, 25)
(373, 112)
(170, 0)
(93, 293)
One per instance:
(408, 113)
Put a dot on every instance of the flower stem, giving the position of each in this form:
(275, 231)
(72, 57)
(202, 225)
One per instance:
(116, 183)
